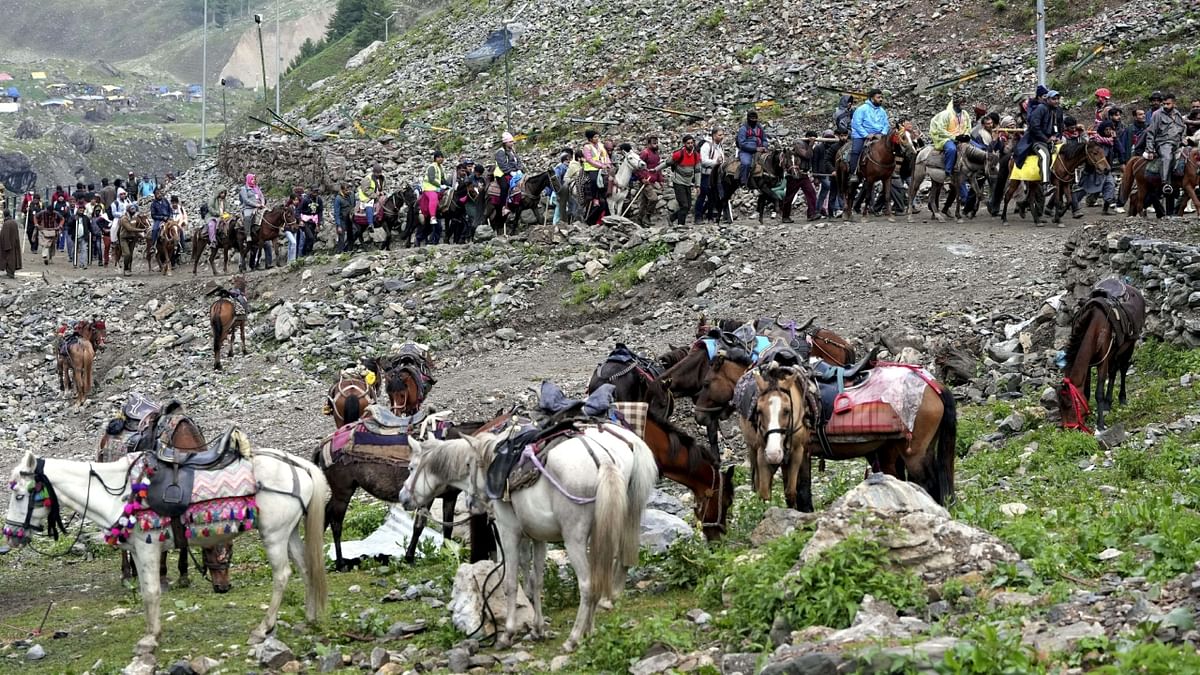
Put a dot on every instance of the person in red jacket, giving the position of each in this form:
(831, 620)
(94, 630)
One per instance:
(685, 175)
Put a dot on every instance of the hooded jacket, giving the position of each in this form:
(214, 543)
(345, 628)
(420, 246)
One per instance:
(869, 119)
(948, 125)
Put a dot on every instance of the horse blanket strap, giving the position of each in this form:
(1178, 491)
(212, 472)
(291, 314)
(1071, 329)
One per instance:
(295, 491)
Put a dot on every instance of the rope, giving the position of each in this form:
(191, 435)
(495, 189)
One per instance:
(1080, 405)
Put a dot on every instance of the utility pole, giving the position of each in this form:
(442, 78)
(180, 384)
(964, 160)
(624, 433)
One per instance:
(224, 114)
(386, 20)
(204, 85)
(278, 65)
(1041, 41)
(262, 56)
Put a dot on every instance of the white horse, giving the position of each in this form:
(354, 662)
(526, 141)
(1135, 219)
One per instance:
(593, 489)
(99, 492)
(630, 165)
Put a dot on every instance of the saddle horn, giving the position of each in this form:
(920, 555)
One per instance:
(807, 324)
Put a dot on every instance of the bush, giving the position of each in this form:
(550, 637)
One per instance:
(1066, 52)
(615, 641)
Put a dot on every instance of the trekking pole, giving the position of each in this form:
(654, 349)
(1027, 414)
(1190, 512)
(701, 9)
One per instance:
(632, 201)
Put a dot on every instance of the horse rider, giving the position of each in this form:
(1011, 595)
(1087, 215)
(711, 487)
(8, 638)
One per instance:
(595, 162)
(869, 119)
(1105, 135)
(1045, 125)
(1164, 135)
(949, 128)
(751, 140)
(844, 113)
(1193, 118)
(250, 197)
(1028, 105)
(433, 184)
(507, 163)
(218, 214)
(129, 233)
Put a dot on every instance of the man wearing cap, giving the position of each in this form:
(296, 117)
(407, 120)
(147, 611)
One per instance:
(869, 119)
(1164, 135)
(1045, 125)
(751, 140)
(507, 163)
(1103, 96)
(651, 179)
(948, 128)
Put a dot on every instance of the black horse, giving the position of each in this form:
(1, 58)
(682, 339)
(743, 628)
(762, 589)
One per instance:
(766, 176)
(399, 215)
(531, 197)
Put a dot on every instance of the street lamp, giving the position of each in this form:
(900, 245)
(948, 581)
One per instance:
(386, 20)
(224, 115)
(204, 85)
(278, 65)
(262, 55)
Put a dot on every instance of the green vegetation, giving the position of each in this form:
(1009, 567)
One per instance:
(1066, 53)
(713, 19)
(621, 275)
(1134, 77)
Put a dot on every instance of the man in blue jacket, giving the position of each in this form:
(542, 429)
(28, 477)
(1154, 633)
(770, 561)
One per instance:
(751, 140)
(1044, 127)
(869, 118)
(160, 212)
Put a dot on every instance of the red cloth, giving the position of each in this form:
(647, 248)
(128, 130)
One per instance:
(683, 157)
(652, 160)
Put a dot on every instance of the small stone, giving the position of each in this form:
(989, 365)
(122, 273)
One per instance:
(379, 656)
(559, 663)
(35, 653)
(654, 664)
(506, 334)
(458, 660)
(1013, 424)
(164, 311)
(203, 664)
(1108, 554)
(699, 617)
(704, 285)
(1014, 509)
(745, 663)
(330, 662)
(354, 588)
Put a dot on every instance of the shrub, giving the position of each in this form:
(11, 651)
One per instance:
(615, 640)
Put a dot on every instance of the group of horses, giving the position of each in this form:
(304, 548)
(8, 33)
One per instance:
(591, 488)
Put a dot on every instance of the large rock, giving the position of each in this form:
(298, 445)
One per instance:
(467, 598)
(360, 58)
(778, 522)
(273, 653)
(28, 130)
(661, 529)
(357, 267)
(286, 324)
(917, 533)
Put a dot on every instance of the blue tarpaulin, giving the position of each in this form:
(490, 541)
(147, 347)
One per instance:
(498, 43)
(12, 92)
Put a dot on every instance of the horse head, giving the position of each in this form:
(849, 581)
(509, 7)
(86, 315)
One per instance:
(779, 412)
(99, 332)
(686, 375)
(904, 142)
(1096, 157)
(31, 506)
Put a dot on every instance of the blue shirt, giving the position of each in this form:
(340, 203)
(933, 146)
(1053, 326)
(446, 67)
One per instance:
(869, 119)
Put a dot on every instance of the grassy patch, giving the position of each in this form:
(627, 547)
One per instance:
(1134, 77)
(621, 275)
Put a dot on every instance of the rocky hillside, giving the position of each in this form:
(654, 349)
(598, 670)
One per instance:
(620, 61)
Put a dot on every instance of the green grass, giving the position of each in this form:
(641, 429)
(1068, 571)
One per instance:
(621, 275)
(1135, 77)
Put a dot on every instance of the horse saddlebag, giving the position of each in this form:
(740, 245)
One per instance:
(872, 420)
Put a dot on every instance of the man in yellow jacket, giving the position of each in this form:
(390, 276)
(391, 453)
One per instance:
(946, 128)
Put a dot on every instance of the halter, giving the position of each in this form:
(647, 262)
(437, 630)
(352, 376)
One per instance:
(1079, 404)
(786, 432)
(717, 487)
(43, 494)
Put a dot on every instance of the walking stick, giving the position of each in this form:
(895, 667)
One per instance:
(632, 201)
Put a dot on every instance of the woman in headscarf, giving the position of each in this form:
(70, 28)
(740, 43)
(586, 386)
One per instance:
(10, 246)
(217, 209)
(595, 161)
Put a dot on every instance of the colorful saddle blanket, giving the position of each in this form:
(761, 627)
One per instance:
(1030, 171)
(379, 436)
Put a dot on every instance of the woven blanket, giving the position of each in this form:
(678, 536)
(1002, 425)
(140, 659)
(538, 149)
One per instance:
(237, 480)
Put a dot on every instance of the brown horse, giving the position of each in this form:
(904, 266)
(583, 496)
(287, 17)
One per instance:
(270, 225)
(347, 474)
(406, 377)
(169, 241)
(347, 399)
(229, 238)
(709, 383)
(697, 468)
(226, 314)
(775, 435)
(766, 174)
(1072, 155)
(876, 164)
(1103, 334)
(1134, 173)
(76, 353)
(925, 455)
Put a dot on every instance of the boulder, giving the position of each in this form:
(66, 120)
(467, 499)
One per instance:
(876, 620)
(360, 58)
(28, 130)
(661, 529)
(273, 653)
(916, 532)
(778, 522)
(467, 600)
(286, 324)
(357, 267)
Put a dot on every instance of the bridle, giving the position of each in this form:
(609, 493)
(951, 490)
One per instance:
(42, 494)
(788, 431)
(716, 489)
(1079, 404)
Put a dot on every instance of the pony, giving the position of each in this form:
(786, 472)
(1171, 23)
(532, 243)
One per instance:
(823, 343)
(1104, 332)
(169, 240)
(270, 224)
(229, 238)
(100, 491)
(876, 164)
(525, 197)
(348, 398)
(709, 383)
(1071, 155)
(347, 474)
(1133, 174)
(591, 494)
(224, 318)
(404, 202)
(972, 162)
(630, 164)
(76, 354)
(637, 380)
(925, 455)
(766, 182)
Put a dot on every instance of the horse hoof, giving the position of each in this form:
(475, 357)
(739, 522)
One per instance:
(257, 636)
(221, 589)
(146, 646)
(183, 582)
(568, 646)
(605, 603)
(910, 218)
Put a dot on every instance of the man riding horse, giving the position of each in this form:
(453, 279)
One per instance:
(948, 128)
(870, 119)
(1046, 124)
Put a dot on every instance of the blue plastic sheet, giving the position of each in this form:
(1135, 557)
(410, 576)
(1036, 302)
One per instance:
(498, 43)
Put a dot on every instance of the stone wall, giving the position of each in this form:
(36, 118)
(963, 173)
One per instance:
(285, 162)
(1167, 272)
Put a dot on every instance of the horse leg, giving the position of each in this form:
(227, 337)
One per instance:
(764, 473)
(449, 500)
(335, 515)
(410, 555)
(935, 195)
(182, 566)
(576, 545)
(802, 483)
(711, 430)
(242, 330)
(276, 545)
(511, 540)
(534, 583)
(791, 476)
(145, 556)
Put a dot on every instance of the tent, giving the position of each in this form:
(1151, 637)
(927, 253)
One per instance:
(111, 88)
(38, 75)
(5, 77)
(56, 103)
(9, 107)
(172, 94)
(12, 93)
(193, 89)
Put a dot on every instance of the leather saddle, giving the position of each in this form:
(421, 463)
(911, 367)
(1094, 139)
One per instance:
(172, 469)
(133, 411)
(624, 355)
(378, 419)
(834, 380)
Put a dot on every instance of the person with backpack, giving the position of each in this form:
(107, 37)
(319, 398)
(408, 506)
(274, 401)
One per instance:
(843, 114)
(651, 179)
(685, 174)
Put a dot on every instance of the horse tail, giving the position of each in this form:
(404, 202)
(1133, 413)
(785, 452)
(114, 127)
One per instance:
(316, 589)
(607, 537)
(350, 410)
(947, 441)
(641, 483)
(217, 328)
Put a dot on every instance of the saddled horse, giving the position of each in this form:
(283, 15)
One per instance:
(634, 378)
(405, 377)
(349, 472)
(229, 238)
(270, 225)
(591, 495)
(972, 163)
(41, 486)
(1104, 332)
(766, 181)
(226, 314)
(1133, 174)
(170, 238)
(1070, 156)
(876, 164)
(525, 197)
(75, 355)
(349, 397)
(398, 214)
(709, 382)
(784, 427)
(823, 343)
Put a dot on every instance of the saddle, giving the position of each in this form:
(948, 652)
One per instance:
(133, 411)
(65, 345)
(241, 304)
(622, 354)
(172, 469)
(1113, 296)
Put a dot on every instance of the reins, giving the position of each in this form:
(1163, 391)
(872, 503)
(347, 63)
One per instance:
(1079, 404)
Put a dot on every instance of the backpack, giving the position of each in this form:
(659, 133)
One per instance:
(843, 115)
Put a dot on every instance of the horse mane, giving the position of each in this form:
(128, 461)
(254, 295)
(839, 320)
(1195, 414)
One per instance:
(1079, 326)
(447, 461)
(1072, 148)
(697, 452)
